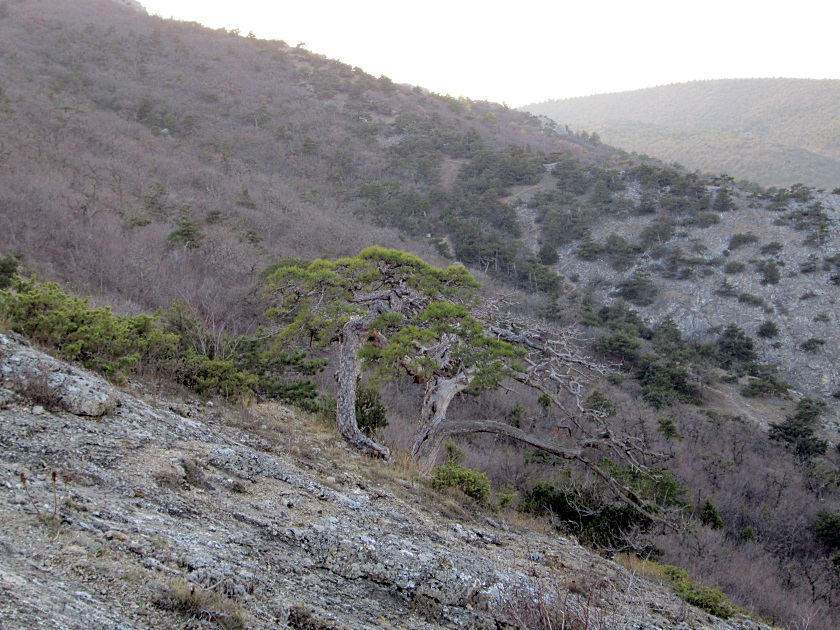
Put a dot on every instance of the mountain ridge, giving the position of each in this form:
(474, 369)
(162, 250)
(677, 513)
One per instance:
(772, 131)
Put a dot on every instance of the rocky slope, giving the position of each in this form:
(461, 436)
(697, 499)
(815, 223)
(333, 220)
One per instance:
(709, 276)
(121, 509)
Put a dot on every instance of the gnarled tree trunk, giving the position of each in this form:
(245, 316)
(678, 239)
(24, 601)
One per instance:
(439, 394)
(350, 340)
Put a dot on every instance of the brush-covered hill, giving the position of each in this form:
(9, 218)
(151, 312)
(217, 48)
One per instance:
(163, 167)
(154, 159)
(776, 132)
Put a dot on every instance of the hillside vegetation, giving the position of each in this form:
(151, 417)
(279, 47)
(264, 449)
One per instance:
(645, 357)
(776, 132)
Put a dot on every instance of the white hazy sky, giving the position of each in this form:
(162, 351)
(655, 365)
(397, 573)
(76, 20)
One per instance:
(527, 51)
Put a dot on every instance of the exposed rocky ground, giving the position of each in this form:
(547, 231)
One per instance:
(124, 509)
(708, 286)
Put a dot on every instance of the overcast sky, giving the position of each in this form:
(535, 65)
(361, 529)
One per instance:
(527, 51)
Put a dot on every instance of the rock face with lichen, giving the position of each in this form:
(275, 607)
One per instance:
(30, 374)
(173, 514)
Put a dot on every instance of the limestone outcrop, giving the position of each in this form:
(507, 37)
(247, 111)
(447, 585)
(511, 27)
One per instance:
(49, 383)
(163, 513)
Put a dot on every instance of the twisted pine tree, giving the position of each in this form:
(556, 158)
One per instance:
(359, 300)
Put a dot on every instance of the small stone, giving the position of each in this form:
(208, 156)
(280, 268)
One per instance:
(112, 534)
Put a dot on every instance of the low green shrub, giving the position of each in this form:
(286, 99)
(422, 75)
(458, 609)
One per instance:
(371, 413)
(827, 529)
(768, 330)
(710, 517)
(708, 598)
(800, 430)
(734, 266)
(702, 220)
(665, 383)
(115, 345)
(741, 239)
(668, 428)
(749, 298)
(120, 345)
(204, 375)
(591, 512)
(812, 345)
(619, 345)
(772, 249)
(769, 271)
(187, 235)
(473, 483)
(639, 289)
(8, 268)
(766, 386)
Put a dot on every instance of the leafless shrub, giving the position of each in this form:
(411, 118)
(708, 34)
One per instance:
(204, 604)
(52, 519)
(549, 603)
(36, 389)
(305, 618)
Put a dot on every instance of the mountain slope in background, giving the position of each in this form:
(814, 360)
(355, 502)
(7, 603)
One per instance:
(776, 132)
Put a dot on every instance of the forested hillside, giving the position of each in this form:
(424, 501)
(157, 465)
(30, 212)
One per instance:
(776, 132)
(647, 357)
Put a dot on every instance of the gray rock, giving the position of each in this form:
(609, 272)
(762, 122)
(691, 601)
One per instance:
(47, 382)
(153, 507)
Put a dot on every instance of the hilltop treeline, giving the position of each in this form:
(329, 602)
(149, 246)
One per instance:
(776, 132)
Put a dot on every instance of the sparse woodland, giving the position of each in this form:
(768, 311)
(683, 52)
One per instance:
(216, 190)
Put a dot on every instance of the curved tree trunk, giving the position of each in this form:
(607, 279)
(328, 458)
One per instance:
(350, 340)
(624, 493)
(500, 428)
(429, 439)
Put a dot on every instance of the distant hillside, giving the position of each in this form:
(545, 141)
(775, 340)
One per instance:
(775, 132)
(200, 156)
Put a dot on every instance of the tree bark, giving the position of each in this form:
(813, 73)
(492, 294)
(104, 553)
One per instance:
(439, 394)
(500, 428)
(350, 340)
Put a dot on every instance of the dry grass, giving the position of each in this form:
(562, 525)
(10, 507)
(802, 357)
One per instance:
(270, 421)
(305, 618)
(548, 603)
(36, 388)
(710, 599)
(641, 566)
(203, 604)
(50, 518)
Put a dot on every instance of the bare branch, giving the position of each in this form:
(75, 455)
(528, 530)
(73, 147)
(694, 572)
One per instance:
(621, 491)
